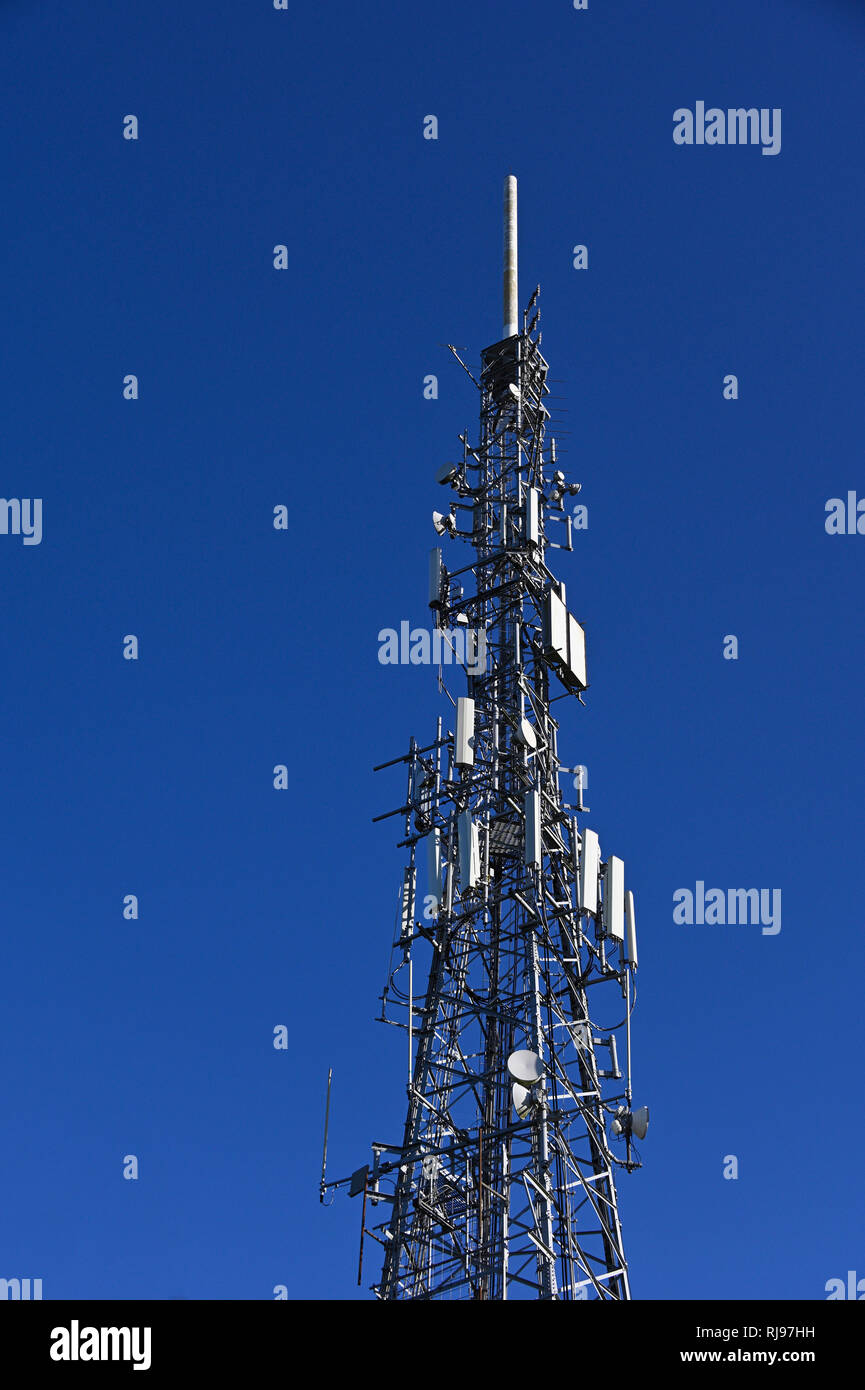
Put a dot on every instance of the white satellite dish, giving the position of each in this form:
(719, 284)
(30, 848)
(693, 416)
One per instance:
(526, 734)
(526, 1067)
(446, 473)
(627, 1123)
(522, 1098)
(640, 1122)
(444, 523)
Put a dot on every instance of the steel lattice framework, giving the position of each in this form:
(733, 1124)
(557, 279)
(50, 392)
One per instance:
(503, 1185)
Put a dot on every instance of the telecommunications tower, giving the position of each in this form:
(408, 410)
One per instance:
(510, 917)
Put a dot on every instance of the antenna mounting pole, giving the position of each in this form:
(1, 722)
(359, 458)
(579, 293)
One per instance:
(510, 271)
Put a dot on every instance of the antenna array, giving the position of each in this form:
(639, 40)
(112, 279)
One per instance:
(503, 1184)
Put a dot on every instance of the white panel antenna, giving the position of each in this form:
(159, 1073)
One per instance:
(469, 850)
(534, 847)
(590, 863)
(464, 741)
(614, 899)
(577, 652)
(533, 530)
(630, 930)
(555, 629)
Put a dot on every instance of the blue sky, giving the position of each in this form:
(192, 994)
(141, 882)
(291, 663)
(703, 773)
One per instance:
(304, 387)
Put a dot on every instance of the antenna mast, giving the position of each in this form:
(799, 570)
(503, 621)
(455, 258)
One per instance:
(503, 1183)
(510, 258)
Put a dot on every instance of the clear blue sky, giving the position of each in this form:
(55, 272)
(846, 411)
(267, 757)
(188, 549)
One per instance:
(257, 647)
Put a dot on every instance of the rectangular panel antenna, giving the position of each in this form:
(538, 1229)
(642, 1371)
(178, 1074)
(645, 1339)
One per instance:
(577, 652)
(534, 851)
(464, 742)
(533, 530)
(590, 863)
(614, 899)
(630, 930)
(469, 850)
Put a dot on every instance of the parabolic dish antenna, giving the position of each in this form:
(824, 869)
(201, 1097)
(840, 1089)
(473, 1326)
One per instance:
(526, 734)
(522, 1098)
(526, 1067)
(640, 1122)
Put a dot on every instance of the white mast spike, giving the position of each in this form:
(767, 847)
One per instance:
(510, 275)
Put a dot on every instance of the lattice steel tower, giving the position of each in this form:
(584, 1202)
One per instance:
(504, 1183)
